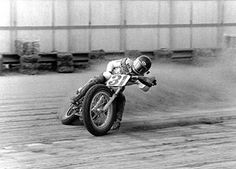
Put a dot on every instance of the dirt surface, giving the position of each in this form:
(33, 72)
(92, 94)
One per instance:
(187, 121)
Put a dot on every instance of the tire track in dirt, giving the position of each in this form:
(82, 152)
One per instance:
(33, 137)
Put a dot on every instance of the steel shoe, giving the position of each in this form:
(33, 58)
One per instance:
(116, 125)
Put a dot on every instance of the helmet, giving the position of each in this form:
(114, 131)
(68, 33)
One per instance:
(141, 64)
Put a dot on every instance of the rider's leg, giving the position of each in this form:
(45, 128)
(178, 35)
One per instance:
(83, 90)
(120, 105)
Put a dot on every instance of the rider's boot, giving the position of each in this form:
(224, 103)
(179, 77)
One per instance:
(116, 125)
(120, 100)
(74, 99)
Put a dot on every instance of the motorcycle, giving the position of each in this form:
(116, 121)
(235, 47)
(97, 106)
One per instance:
(97, 109)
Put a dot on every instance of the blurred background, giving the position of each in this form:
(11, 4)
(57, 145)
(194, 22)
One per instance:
(186, 29)
(116, 25)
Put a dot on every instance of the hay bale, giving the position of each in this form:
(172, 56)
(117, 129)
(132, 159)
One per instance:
(229, 41)
(19, 47)
(133, 53)
(162, 53)
(29, 58)
(97, 54)
(29, 71)
(29, 64)
(27, 47)
(65, 58)
(1, 64)
(204, 53)
(65, 63)
(204, 56)
(29, 68)
(65, 69)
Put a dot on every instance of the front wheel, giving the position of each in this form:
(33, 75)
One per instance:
(97, 121)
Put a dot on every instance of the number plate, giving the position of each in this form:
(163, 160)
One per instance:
(118, 80)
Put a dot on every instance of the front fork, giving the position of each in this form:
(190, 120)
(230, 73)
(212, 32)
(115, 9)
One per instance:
(113, 98)
(109, 102)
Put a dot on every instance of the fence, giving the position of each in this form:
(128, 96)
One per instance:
(116, 25)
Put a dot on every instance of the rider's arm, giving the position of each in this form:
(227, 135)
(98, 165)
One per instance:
(110, 66)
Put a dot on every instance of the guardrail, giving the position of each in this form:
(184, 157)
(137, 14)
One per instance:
(182, 55)
(84, 58)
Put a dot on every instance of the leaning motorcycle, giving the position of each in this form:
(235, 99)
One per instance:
(97, 109)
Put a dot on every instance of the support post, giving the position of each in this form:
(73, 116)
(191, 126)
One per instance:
(53, 25)
(171, 22)
(90, 28)
(69, 24)
(13, 25)
(123, 25)
(220, 22)
(158, 23)
(191, 24)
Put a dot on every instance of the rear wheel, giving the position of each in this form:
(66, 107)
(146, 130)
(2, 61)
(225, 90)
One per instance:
(97, 121)
(68, 116)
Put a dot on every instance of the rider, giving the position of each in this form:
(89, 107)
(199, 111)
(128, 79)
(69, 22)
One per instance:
(139, 66)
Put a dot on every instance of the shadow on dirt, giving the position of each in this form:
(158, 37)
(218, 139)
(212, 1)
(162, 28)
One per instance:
(77, 123)
(153, 125)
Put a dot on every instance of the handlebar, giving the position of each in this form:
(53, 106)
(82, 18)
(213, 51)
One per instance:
(145, 80)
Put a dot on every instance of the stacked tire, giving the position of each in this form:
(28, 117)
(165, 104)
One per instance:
(65, 63)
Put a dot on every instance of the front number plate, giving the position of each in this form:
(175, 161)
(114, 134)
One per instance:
(118, 80)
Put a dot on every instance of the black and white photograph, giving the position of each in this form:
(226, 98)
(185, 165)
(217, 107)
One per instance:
(117, 84)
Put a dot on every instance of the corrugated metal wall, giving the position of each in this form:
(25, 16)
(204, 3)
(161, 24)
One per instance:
(116, 25)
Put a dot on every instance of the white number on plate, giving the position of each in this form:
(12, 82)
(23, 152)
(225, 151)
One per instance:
(118, 80)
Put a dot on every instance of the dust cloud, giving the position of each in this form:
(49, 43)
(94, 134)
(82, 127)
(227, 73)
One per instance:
(209, 83)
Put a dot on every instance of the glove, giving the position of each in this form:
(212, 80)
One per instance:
(153, 81)
(107, 75)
